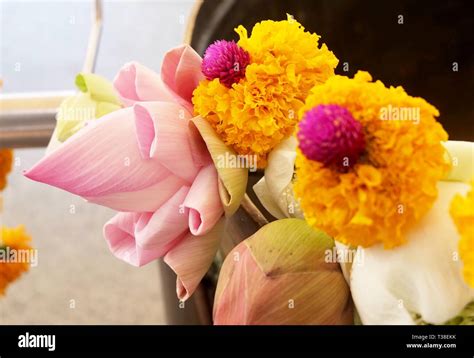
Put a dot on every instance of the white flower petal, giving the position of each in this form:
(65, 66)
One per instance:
(422, 276)
(275, 190)
(267, 200)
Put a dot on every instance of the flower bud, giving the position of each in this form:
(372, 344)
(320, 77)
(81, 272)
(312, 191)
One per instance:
(280, 276)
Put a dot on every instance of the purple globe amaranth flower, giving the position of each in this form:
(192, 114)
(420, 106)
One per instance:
(226, 61)
(329, 134)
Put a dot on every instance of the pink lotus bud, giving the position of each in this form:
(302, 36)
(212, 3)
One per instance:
(280, 276)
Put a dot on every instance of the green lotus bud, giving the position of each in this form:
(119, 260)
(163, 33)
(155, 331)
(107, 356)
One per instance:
(280, 276)
(96, 98)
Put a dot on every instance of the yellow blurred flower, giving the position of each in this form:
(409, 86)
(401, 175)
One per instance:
(462, 213)
(394, 182)
(6, 159)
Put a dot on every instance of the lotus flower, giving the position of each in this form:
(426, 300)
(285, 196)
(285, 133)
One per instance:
(280, 276)
(148, 163)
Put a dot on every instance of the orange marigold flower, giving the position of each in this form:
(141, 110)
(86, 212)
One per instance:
(6, 159)
(12, 238)
(259, 111)
(393, 183)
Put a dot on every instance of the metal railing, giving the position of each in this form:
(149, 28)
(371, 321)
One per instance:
(28, 119)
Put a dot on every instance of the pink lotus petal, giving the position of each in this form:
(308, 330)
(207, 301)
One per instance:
(203, 201)
(163, 134)
(103, 160)
(119, 233)
(135, 83)
(181, 71)
(160, 229)
(191, 257)
(148, 199)
(199, 151)
(232, 311)
(146, 131)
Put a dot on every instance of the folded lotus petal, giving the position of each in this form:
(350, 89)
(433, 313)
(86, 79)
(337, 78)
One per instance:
(281, 162)
(136, 83)
(191, 257)
(421, 277)
(119, 234)
(161, 229)
(203, 201)
(181, 71)
(163, 134)
(275, 189)
(103, 160)
(201, 155)
(267, 200)
(232, 180)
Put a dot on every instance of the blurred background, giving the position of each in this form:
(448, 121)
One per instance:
(426, 46)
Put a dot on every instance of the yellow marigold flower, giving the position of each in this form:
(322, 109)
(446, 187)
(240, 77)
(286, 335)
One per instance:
(284, 46)
(260, 110)
(18, 239)
(6, 159)
(462, 213)
(393, 183)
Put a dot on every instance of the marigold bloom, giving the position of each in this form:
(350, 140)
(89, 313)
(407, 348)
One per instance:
(6, 159)
(260, 110)
(394, 182)
(14, 238)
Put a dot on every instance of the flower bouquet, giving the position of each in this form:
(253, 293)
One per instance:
(371, 206)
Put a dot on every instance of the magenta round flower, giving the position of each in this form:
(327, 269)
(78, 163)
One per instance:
(225, 60)
(329, 134)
